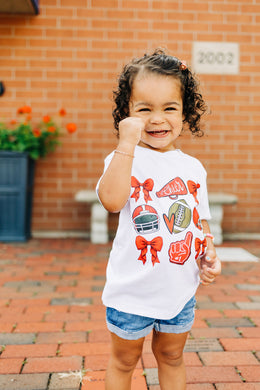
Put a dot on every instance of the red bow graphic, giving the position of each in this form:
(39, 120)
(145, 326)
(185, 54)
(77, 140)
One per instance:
(156, 245)
(147, 186)
(200, 247)
(193, 189)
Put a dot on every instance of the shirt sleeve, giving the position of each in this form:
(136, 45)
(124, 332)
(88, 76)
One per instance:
(106, 165)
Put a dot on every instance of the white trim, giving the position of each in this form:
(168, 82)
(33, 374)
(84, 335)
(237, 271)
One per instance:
(59, 234)
(241, 236)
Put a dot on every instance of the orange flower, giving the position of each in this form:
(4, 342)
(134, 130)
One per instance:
(24, 110)
(62, 112)
(13, 122)
(46, 119)
(29, 117)
(27, 110)
(51, 129)
(71, 127)
(37, 133)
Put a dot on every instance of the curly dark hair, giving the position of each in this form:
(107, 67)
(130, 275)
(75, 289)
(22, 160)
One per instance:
(159, 62)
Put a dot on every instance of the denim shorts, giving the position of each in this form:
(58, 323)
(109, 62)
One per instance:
(133, 327)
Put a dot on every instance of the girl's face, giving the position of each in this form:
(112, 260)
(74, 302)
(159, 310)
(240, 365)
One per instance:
(157, 100)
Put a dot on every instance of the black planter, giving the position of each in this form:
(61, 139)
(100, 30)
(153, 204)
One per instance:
(16, 192)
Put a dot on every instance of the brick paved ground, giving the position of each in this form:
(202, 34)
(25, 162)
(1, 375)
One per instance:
(53, 333)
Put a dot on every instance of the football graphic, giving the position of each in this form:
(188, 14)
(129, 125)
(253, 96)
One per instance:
(145, 219)
(179, 216)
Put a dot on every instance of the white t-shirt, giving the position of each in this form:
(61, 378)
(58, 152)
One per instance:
(152, 269)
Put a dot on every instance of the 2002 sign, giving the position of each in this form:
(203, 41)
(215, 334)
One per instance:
(219, 58)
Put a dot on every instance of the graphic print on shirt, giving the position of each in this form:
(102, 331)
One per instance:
(193, 187)
(155, 246)
(200, 246)
(196, 219)
(145, 219)
(173, 189)
(179, 216)
(147, 187)
(180, 251)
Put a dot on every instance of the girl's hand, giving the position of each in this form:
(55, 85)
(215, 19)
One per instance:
(210, 267)
(130, 130)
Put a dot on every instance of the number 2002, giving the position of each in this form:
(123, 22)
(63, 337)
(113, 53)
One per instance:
(212, 58)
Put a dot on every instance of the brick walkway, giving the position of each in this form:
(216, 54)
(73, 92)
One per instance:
(53, 333)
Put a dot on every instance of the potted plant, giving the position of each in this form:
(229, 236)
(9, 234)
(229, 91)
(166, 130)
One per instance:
(21, 143)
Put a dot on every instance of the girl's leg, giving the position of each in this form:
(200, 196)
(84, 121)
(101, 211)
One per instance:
(168, 351)
(124, 357)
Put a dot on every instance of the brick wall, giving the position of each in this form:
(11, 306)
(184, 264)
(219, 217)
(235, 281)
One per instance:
(69, 56)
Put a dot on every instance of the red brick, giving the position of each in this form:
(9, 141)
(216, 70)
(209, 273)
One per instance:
(10, 366)
(214, 332)
(256, 321)
(94, 380)
(7, 312)
(138, 380)
(60, 337)
(199, 323)
(104, 3)
(250, 332)
(212, 375)
(85, 326)
(238, 386)
(25, 351)
(6, 327)
(205, 314)
(39, 327)
(251, 344)
(200, 386)
(242, 313)
(65, 317)
(84, 349)
(25, 319)
(97, 316)
(96, 362)
(54, 364)
(250, 373)
(97, 336)
(231, 298)
(46, 309)
(228, 358)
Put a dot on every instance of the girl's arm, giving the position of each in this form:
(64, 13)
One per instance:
(115, 185)
(209, 264)
(206, 229)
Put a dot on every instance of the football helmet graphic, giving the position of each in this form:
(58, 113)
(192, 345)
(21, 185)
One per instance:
(145, 219)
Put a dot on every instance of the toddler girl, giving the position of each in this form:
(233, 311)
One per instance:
(163, 247)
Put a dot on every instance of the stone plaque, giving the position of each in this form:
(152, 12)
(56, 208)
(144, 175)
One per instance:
(215, 57)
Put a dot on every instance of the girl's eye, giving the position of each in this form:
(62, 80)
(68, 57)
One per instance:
(143, 110)
(170, 109)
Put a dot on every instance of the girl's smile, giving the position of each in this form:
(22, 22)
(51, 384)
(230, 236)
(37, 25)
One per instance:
(157, 100)
(158, 133)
